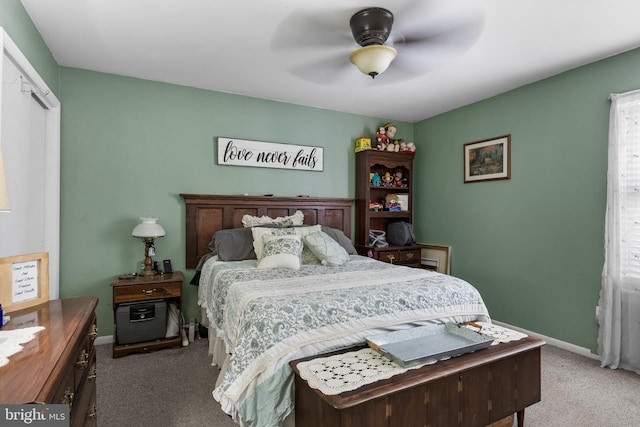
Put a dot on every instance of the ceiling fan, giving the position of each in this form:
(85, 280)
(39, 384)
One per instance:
(371, 28)
(418, 38)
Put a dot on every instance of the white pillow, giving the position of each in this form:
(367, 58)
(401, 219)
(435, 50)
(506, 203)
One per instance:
(252, 221)
(281, 251)
(259, 232)
(305, 231)
(328, 251)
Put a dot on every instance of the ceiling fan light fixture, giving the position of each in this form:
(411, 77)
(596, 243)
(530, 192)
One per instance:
(373, 59)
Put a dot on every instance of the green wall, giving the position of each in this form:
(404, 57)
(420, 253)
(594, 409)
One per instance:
(130, 147)
(533, 244)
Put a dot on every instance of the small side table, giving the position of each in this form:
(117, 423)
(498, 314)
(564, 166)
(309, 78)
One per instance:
(166, 286)
(409, 255)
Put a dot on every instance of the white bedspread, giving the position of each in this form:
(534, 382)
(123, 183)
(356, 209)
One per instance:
(267, 318)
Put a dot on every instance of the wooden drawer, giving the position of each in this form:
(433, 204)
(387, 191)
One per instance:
(84, 401)
(65, 391)
(85, 353)
(141, 292)
(400, 256)
(91, 414)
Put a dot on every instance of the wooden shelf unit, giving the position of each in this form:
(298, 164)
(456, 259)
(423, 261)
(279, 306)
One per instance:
(367, 163)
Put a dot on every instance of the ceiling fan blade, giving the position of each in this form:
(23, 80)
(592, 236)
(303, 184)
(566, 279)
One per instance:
(408, 67)
(426, 43)
(334, 69)
(459, 35)
(314, 29)
(455, 23)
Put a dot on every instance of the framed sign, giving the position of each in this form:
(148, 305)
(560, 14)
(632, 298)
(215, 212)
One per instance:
(24, 281)
(488, 160)
(240, 152)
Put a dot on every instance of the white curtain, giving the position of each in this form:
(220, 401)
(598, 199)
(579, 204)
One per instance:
(619, 306)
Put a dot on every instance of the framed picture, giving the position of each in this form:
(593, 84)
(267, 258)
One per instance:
(488, 160)
(436, 258)
(25, 281)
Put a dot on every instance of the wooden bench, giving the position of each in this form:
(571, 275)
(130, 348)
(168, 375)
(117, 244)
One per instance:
(476, 389)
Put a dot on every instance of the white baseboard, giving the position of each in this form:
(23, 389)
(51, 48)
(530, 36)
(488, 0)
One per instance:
(108, 339)
(583, 351)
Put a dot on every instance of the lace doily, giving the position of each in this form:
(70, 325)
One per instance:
(499, 333)
(11, 341)
(348, 371)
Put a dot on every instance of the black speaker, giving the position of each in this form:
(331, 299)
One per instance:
(166, 265)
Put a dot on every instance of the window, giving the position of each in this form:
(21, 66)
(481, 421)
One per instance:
(619, 306)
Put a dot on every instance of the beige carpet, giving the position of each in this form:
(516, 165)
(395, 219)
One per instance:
(172, 387)
(169, 387)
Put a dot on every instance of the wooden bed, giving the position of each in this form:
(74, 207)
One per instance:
(206, 214)
(516, 370)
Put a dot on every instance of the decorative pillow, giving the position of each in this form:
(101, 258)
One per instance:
(259, 232)
(341, 238)
(326, 249)
(307, 256)
(235, 244)
(281, 251)
(252, 221)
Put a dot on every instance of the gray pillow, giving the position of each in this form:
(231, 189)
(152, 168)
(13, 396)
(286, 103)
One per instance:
(340, 237)
(233, 244)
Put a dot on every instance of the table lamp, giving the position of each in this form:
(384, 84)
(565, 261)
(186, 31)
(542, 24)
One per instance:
(148, 230)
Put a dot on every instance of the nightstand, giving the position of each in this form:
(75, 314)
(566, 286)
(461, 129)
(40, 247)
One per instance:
(139, 289)
(401, 255)
(409, 256)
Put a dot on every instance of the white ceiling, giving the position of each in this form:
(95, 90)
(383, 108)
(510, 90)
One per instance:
(265, 48)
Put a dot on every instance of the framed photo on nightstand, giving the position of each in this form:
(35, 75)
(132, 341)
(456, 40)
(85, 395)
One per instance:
(436, 258)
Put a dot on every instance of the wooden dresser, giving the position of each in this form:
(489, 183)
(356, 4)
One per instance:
(59, 364)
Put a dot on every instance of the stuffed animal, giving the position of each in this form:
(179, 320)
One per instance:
(391, 146)
(387, 180)
(390, 130)
(411, 148)
(398, 179)
(382, 140)
(375, 181)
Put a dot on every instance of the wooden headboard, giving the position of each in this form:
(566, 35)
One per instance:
(207, 214)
